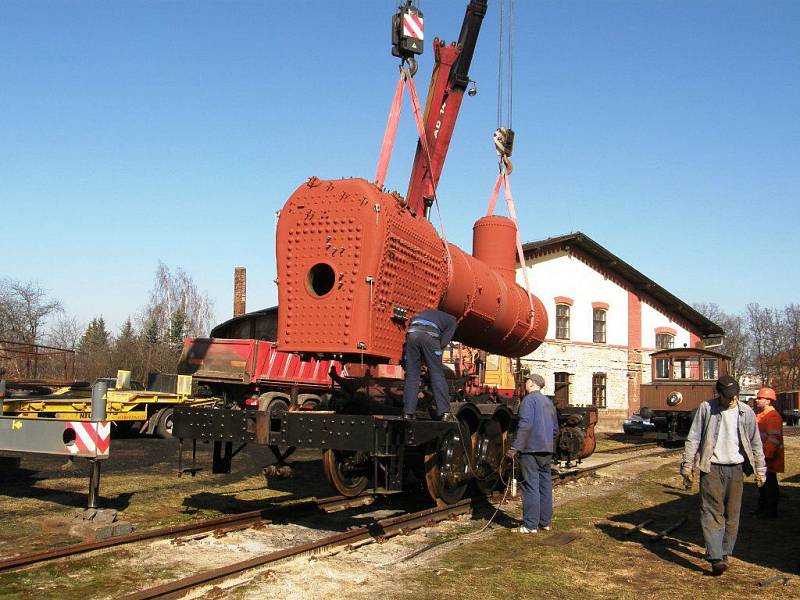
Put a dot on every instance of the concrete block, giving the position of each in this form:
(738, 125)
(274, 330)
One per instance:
(122, 528)
(105, 516)
(103, 532)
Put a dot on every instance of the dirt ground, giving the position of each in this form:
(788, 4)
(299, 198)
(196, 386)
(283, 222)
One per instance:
(455, 559)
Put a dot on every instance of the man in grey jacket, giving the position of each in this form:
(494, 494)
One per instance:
(724, 438)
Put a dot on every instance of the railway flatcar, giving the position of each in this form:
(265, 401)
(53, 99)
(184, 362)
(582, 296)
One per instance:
(682, 378)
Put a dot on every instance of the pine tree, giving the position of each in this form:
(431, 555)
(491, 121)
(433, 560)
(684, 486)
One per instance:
(151, 332)
(95, 338)
(177, 328)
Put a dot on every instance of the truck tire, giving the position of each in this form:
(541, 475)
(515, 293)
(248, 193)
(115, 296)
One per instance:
(164, 426)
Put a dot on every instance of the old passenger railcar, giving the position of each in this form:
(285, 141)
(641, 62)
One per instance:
(682, 378)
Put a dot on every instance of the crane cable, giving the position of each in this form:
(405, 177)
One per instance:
(504, 140)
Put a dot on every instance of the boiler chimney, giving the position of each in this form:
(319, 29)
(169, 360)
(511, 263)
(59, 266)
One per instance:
(239, 291)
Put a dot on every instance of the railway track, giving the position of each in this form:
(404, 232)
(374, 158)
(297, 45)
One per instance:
(381, 529)
(378, 530)
(567, 476)
(219, 524)
(628, 449)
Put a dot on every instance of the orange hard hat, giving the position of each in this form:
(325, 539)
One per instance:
(766, 392)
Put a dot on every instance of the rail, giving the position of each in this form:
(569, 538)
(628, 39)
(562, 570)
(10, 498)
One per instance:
(237, 521)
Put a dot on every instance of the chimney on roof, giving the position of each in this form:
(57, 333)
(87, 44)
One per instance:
(239, 291)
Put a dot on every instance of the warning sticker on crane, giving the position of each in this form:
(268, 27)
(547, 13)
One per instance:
(412, 26)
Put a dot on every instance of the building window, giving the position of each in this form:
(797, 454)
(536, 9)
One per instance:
(599, 390)
(599, 326)
(561, 393)
(665, 341)
(562, 321)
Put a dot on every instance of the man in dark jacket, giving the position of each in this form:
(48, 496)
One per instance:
(429, 332)
(533, 447)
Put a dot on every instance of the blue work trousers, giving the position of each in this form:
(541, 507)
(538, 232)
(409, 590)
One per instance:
(537, 488)
(423, 346)
(720, 503)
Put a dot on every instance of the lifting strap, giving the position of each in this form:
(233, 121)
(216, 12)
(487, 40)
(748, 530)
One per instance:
(391, 126)
(391, 132)
(503, 179)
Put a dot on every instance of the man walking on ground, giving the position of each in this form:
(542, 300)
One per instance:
(429, 332)
(770, 426)
(533, 447)
(725, 437)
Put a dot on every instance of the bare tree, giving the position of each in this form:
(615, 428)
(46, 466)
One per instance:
(24, 309)
(177, 307)
(65, 332)
(737, 338)
(768, 333)
(787, 361)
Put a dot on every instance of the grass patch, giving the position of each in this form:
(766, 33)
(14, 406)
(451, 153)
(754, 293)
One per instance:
(150, 496)
(104, 576)
(601, 563)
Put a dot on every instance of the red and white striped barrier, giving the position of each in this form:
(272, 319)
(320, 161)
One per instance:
(90, 438)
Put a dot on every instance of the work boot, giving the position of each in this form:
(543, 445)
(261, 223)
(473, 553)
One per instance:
(448, 418)
(407, 417)
(718, 567)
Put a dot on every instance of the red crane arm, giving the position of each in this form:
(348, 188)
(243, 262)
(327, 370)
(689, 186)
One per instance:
(446, 91)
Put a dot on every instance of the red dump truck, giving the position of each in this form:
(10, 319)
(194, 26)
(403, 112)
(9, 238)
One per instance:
(254, 373)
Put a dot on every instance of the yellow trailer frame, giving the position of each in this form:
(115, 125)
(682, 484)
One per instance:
(122, 403)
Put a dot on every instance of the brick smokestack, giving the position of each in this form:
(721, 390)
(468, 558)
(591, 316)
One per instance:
(239, 291)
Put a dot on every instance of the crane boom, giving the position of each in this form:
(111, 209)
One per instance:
(449, 80)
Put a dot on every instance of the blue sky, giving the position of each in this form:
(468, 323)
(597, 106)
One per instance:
(133, 132)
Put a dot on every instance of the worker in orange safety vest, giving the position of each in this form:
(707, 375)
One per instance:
(770, 426)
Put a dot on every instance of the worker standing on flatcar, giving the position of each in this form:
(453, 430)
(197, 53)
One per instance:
(770, 426)
(724, 438)
(533, 446)
(428, 334)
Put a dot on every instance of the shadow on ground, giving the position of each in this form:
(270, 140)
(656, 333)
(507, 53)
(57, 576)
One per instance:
(22, 483)
(769, 543)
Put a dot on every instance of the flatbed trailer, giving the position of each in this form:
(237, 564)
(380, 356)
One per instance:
(147, 411)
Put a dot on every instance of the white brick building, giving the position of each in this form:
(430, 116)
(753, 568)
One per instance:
(605, 318)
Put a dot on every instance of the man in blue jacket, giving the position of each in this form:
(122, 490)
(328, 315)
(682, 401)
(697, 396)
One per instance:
(429, 332)
(533, 448)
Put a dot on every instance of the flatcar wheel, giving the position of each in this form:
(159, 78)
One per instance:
(345, 471)
(489, 452)
(447, 468)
